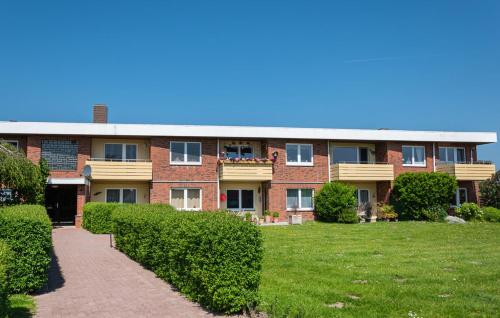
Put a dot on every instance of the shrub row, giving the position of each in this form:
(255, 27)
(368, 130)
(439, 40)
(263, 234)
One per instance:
(491, 214)
(212, 257)
(5, 258)
(97, 217)
(27, 231)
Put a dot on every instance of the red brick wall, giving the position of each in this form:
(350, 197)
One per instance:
(165, 173)
(33, 153)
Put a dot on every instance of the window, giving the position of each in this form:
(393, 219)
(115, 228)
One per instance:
(451, 154)
(236, 151)
(6, 195)
(460, 197)
(240, 200)
(186, 199)
(187, 153)
(13, 143)
(414, 156)
(299, 199)
(363, 196)
(121, 195)
(120, 152)
(350, 155)
(299, 154)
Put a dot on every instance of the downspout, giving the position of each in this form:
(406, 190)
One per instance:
(329, 170)
(434, 157)
(218, 175)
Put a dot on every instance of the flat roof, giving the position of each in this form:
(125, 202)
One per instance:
(146, 130)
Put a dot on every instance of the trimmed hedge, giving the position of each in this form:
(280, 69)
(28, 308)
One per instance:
(97, 217)
(212, 257)
(5, 259)
(416, 193)
(336, 202)
(28, 232)
(491, 214)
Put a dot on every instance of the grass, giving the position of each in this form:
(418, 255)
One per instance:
(405, 269)
(21, 306)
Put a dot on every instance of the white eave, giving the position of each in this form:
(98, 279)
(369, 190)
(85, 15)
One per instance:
(147, 130)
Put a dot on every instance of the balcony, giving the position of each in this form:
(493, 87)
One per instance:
(476, 171)
(99, 169)
(363, 172)
(245, 170)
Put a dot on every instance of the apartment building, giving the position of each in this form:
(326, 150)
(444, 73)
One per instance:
(248, 169)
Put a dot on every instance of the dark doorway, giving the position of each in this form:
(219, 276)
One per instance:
(60, 201)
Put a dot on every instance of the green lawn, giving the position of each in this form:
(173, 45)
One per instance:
(21, 306)
(400, 269)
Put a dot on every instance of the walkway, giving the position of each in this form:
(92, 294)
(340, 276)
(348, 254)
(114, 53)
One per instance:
(90, 279)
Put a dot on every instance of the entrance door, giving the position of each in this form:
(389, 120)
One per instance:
(60, 201)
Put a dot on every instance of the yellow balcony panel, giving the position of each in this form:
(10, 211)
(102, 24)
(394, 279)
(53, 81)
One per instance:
(245, 171)
(118, 170)
(467, 171)
(363, 172)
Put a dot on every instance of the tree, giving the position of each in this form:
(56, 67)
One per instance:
(336, 202)
(24, 179)
(490, 191)
(414, 194)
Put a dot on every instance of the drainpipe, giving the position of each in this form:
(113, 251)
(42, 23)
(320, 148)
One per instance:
(218, 176)
(434, 156)
(329, 171)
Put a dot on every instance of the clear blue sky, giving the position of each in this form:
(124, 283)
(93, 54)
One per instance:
(430, 65)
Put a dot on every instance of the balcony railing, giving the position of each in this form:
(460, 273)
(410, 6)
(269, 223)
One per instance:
(468, 171)
(245, 170)
(363, 172)
(129, 170)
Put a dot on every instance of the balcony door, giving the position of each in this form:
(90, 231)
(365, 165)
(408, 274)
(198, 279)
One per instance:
(345, 154)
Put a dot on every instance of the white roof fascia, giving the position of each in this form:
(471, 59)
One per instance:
(151, 130)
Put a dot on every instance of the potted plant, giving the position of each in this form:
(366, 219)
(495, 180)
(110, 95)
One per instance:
(261, 220)
(248, 217)
(276, 216)
(267, 216)
(386, 212)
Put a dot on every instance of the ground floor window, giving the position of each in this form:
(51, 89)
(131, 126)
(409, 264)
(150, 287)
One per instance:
(121, 195)
(363, 196)
(299, 199)
(6, 195)
(240, 199)
(186, 199)
(460, 197)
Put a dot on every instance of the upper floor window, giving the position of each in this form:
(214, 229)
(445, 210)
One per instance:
(414, 156)
(299, 154)
(237, 151)
(186, 153)
(186, 199)
(60, 154)
(13, 143)
(120, 152)
(350, 154)
(452, 154)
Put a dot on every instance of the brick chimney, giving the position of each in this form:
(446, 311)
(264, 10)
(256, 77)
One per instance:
(100, 114)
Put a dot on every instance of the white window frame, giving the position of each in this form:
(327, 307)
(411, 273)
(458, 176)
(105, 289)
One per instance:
(12, 141)
(413, 164)
(457, 197)
(185, 208)
(299, 159)
(239, 149)
(300, 208)
(358, 150)
(240, 201)
(185, 162)
(454, 154)
(121, 194)
(358, 194)
(124, 151)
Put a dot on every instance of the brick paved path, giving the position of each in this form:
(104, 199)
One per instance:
(90, 279)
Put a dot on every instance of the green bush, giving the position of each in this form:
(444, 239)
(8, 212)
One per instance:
(212, 257)
(490, 191)
(27, 230)
(491, 214)
(97, 217)
(5, 259)
(469, 211)
(414, 193)
(434, 214)
(336, 202)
